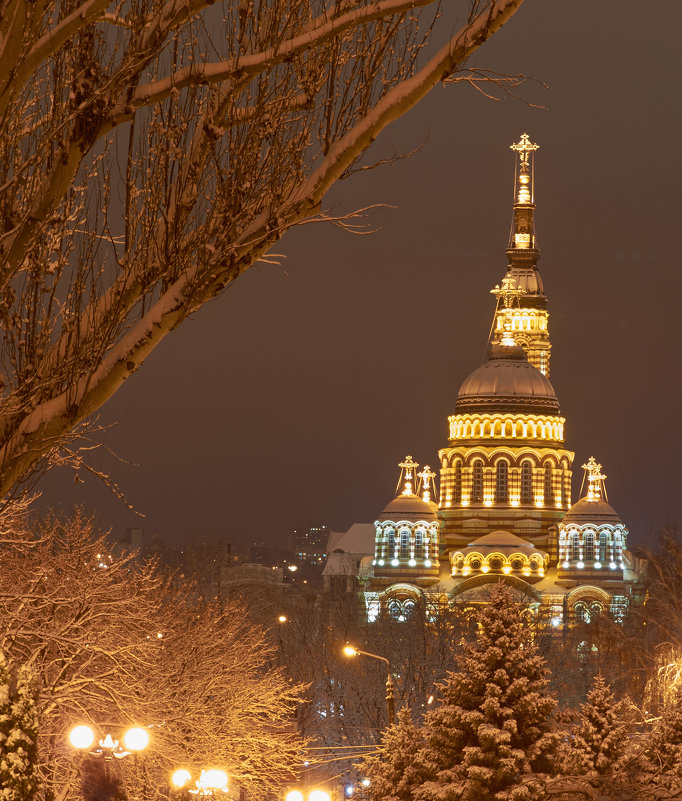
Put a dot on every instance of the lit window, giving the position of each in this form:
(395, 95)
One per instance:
(526, 482)
(502, 482)
(549, 490)
(457, 495)
(404, 544)
(477, 483)
(419, 545)
(589, 547)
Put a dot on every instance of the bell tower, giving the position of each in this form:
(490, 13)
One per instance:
(529, 319)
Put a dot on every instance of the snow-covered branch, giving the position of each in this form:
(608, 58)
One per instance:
(217, 156)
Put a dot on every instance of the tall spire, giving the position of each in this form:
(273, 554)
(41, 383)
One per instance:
(523, 226)
(528, 321)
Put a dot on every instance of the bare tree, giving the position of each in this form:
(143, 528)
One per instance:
(113, 643)
(153, 150)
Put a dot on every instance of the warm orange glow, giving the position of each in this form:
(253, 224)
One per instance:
(81, 737)
(214, 779)
(181, 777)
(136, 739)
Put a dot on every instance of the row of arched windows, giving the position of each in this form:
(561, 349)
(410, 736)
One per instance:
(453, 458)
(501, 485)
(591, 547)
(405, 544)
(464, 428)
(524, 322)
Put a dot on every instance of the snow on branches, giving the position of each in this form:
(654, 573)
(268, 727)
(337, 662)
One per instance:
(112, 641)
(151, 152)
(490, 736)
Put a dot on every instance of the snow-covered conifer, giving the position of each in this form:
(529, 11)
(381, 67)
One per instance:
(490, 737)
(663, 755)
(18, 736)
(393, 772)
(598, 743)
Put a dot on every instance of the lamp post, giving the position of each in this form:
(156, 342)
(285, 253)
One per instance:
(97, 783)
(209, 782)
(313, 795)
(350, 650)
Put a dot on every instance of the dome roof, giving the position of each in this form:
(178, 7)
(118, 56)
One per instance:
(592, 511)
(507, 382)
(409, 507)
(528, 279)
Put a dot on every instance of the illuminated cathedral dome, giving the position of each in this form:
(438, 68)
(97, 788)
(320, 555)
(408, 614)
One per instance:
(409, 507)
(407, 528)
(592, 537)
(591, 510)
(507, 382)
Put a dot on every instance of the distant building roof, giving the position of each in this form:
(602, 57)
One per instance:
(359, 539)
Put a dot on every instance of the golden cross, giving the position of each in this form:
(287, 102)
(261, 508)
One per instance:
(594, 478)
(524, 147)
(406, 472)
(426, 475)
(508, 291)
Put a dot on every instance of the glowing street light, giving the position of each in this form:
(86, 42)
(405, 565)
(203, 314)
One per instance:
(98, 780)
(83, 737)
(313, 795)
(350, 650)
(210, 781)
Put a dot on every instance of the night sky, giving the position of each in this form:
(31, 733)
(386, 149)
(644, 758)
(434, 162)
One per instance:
(291, 398)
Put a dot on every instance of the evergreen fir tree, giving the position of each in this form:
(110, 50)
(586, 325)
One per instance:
(599, 741)
(489, 738)
(393, 771)
(18, 736)
(663, 757)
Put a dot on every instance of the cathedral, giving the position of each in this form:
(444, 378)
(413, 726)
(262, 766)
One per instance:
(504, 509)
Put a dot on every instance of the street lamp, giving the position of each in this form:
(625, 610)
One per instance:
(349, 650)
(135, 740)
(313, 795)
(97, 782)
(209, 781)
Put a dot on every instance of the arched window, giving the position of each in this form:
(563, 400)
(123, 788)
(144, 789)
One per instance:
(502, 482)
(603, 546)
(404, 544)
(565, 502)
(595, 610)
(574, 547)
(391, 544)
(588, 547)
(457, 495)
(477, 482)
(549, 486)
(526, 482)
(419, 545)
(582, 613)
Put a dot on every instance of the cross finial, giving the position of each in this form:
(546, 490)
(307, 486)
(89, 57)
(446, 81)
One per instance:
(507, 293)
(426, 476)
(408, 468)
(595, 479)
(524, 147)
